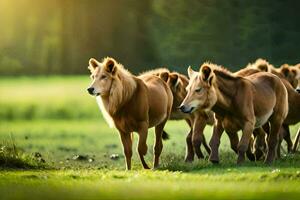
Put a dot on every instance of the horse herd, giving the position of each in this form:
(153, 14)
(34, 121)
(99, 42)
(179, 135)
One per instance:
(260, 100)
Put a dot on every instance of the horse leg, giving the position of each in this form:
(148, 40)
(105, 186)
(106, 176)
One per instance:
(198, 137)
(142, 145)
(158, 146)
(215, 141)
(127, 148)
(244, 142)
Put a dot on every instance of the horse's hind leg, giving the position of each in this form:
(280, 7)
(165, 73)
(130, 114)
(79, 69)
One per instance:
(245, 140)
(259, 143)
(158, 146)
(249, 152)
(281, 134)
(287, 137)
(234, 141)
(273, 139)
(142, 144)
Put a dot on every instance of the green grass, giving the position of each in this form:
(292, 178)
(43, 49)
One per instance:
(46, 97)
(242, 183)
(59, 137)
(12, 157)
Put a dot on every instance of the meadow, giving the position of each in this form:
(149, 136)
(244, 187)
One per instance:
(55, 118)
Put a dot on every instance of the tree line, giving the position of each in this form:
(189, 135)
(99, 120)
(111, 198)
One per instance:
(59, 36)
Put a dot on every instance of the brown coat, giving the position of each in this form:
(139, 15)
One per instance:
(239, 104)
(135, 104)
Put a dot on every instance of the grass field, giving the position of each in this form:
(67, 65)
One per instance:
(55, 117)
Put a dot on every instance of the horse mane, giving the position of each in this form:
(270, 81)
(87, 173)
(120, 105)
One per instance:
(122, 89)
(262, 65)
(184, 79)
(220, 71)
(246, 71)
(155, 72)
(223, 79)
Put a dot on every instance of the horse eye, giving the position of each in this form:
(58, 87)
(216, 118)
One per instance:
(198, 90)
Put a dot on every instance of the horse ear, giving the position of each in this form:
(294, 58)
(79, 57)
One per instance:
(263, 67)
(174, 79)
(285, 70)
(110, 66)
(93, 63)
(191, 72)
(293, 72)
(164, 76)
(205, 72)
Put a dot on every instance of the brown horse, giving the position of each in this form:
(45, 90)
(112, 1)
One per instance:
(287, 72)
(196, 121)
(239, 103)
(289, 76)
(131, 104)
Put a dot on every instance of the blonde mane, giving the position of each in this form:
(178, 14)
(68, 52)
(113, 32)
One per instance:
(104, 112)
(154, 71)
(262, 65)
(122, 89)
(219, 70)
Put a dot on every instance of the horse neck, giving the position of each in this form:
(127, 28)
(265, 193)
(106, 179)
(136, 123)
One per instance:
(226, 91)
(121, 92)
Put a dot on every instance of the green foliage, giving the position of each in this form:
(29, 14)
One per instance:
(58, 37)
(9, 65)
